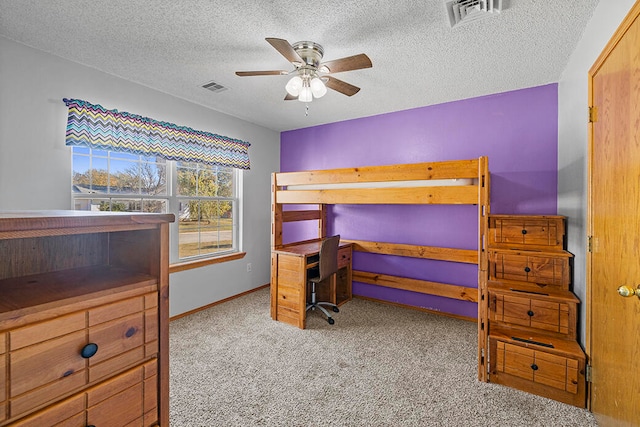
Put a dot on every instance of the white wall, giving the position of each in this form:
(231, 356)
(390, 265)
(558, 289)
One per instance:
(572, 135)
(35, 165)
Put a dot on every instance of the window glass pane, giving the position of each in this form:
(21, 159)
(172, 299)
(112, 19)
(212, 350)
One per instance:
(205, 227)
(189, 229)
(153, 159)
(99, 175)
(121, 205)
(207, 182)
(209, 230)
(187, 181)
(81, 150)
(225, 182)
(154, 206)
(82, 204)
(153, 178)
(81, 174)
(189, 165)
(124, 177)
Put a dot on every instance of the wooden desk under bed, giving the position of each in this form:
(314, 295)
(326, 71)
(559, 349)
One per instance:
(289, 267)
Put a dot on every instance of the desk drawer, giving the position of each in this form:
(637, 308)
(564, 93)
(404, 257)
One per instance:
(344, 257)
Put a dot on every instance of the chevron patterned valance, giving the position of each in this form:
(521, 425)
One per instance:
(96, 127)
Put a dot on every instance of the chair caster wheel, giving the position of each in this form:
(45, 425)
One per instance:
(331, 321)
(336, 310)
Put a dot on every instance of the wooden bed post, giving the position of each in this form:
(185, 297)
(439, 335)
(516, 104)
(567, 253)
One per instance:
(483, 297)
(322, 222)
(276, 216)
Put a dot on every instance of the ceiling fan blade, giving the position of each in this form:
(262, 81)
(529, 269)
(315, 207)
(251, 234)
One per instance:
(286, 50)
(262, 73)
(355, 62)
(340, 86)
(290, 97)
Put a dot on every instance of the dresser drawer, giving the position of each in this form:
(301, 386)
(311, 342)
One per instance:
(54, 358)
(127, 399)
(546, 232)
(556, 372)
(540, 268)
(548, 313)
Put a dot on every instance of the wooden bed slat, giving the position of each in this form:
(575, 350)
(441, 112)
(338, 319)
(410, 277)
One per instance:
(290, 216)
(454, 195)
(422, 286)
(468, 256)
(453, 169)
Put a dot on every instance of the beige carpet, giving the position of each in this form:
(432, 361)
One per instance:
(379, 365)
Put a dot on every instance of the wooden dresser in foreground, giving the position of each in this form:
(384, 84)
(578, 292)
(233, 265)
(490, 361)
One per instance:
(84, 319)
(532, 311)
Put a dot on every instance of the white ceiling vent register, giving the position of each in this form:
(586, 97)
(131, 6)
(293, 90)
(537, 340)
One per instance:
(214, 87)
(464, 11)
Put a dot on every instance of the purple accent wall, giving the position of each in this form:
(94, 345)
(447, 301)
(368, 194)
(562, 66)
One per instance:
(517, 130)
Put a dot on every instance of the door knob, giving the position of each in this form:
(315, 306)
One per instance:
(628, 291)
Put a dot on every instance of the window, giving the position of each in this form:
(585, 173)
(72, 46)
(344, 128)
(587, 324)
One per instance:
(204, 199)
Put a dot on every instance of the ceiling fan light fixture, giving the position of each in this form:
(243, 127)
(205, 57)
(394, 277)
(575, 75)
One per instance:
(317, 87)
(294, 85)
(305, 94)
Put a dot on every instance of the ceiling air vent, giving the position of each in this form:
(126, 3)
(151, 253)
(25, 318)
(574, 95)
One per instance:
(214, 87)
(464, 11)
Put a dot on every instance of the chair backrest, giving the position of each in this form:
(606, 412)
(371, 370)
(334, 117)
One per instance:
(329, 256)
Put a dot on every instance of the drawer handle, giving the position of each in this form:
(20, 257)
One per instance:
(527, 269)
(524, 231)
(534, 367)
(530, 313)
(89, 350)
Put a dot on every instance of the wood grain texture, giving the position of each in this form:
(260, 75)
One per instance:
(453, 195)
(455, 169)
(22, 257)
(306, 215)
(613, 224)
(422, 286)
(467, 256)
(65, 266)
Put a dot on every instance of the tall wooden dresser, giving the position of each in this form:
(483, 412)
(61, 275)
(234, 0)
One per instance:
(532, 311)
(84, 319)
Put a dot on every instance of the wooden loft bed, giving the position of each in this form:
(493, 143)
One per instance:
(446, 182)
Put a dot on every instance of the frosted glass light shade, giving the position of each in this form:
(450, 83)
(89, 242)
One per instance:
(294, 85)
(305, 94)
(318, 88)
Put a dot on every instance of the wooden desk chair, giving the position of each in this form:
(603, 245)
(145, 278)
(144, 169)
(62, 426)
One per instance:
(327, 266)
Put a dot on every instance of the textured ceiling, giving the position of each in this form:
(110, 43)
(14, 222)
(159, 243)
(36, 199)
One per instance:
(418, 59)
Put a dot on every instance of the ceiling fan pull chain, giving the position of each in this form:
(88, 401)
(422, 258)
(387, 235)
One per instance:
(306, 110)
